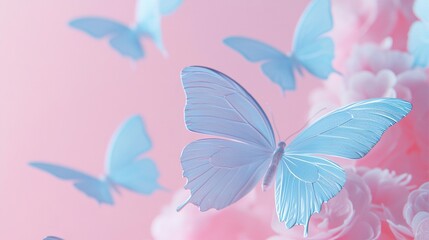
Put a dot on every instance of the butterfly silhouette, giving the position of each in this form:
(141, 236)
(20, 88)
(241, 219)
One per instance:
(418, 35)
(52, 238)
(124, 167)
(126, 39)
(220, 171)
(311, 50)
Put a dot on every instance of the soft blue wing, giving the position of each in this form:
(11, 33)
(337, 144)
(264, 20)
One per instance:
(253, 50)
(139, 176)
(122, 38)
(220, 172)
(418, 43)
(351, 131)
(89, 185)
(169, 6)
(148, 21)
(418, 35)
(421, 10)
(217, 105)
(310, 48)
(303, 183)
(127, 43)
(127, 144)
(276, 65)
(98, 27)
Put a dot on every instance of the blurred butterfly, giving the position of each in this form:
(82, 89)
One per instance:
(52, 238)
(418, 35)
(220, 171)
(125, 167)
(311, 50)
(126, 39)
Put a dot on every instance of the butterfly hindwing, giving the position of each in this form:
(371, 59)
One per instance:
(351, 131)
(303, 183)
(127, 43)
(92, 187)
(220, 172)
(139, 176)
(310, 48)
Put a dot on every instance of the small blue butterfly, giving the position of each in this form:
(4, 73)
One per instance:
(52, 238)
(311, 49)
(125, 39)
(220, 171)
(124, 168)
(418, 36)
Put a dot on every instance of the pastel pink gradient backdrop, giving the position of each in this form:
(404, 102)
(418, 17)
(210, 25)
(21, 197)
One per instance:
(63, 94)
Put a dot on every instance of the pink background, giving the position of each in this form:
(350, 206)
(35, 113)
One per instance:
(63, 94)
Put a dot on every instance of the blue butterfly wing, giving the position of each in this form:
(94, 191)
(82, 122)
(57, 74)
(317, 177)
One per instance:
(89, 185)
(98, 27)
(139, 176)
(148, 17)
(421, 10)
(217, 105)
(303, 183)
(310, 48)
(280, 72)
(127, 43)
(169, 6)
(253, 50)
(122, 38)
(351, 131)
(418, 35)
(277, 66)
(220, 172)
(128, 143)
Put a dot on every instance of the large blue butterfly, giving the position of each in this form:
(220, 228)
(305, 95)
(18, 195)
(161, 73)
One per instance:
(418, 36)
(124, 168)
(220, 171)
(311, 49)
(125, 39)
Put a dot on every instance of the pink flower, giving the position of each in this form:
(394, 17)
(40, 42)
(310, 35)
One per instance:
(346, 216)
(245, 220)
(377, 72)
(416, 214)
(359, 21)
(389, 192)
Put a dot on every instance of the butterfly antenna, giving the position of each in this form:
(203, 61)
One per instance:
(183, 204)
(306, 123)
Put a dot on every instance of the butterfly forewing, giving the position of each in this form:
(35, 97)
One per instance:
(351, 131)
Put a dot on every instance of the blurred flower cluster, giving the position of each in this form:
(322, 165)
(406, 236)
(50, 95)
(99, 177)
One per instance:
(386, 195)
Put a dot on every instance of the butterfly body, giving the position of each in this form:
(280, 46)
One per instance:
(220, 171)
(271, 171)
